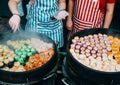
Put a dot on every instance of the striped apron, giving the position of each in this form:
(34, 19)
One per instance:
(40, 19)
(86, 15)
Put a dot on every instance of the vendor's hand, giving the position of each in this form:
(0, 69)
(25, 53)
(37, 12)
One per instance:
(69, 24)
(61, 15)
(14, 22)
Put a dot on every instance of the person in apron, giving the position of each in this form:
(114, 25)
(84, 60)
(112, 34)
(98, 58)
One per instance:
(43, 16)
(86, 14)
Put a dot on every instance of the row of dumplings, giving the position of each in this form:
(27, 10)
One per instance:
(97, 51)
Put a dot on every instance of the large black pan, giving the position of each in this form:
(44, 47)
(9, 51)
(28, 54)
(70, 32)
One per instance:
(99, 77)
(31, 75)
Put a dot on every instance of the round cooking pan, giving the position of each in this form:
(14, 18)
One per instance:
(99, 77)
(31, 75)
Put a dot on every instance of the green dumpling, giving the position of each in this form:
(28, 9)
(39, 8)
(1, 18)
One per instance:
(29, 54)
(27, 50)
(16, 58)
(21, 60)
(33, 50)
(23, 56)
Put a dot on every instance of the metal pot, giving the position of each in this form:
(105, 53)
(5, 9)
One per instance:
(34, 75)
(79, 70)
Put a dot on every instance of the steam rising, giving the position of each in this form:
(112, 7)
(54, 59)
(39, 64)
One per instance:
(22, 35)
(7, 34)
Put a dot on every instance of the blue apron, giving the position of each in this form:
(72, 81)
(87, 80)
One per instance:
(39, 19)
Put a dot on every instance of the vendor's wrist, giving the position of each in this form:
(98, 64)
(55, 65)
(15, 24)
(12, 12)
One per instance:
(61, 9)
(68, 18)
(16, 14)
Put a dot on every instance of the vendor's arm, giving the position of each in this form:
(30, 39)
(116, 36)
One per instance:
(108, 15)
(69, 22)
(14, 21)
(62, 4)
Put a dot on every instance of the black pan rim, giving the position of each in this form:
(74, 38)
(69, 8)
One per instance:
(44, 65)
(77, 62)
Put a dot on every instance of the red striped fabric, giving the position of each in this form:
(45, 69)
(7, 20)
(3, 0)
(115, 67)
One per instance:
(86, 15)
(87, 10)
(81, 25)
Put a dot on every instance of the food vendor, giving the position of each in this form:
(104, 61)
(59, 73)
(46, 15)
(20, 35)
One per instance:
(85, 14)
(43, 16)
